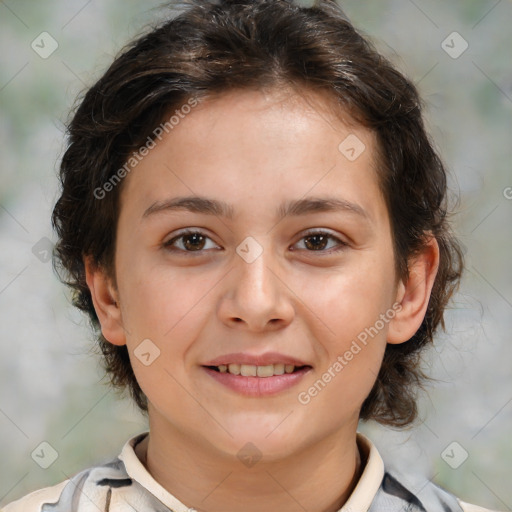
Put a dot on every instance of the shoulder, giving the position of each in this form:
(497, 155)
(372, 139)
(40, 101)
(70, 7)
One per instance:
(383, 490)
(467, 507)
(104, 487)
(430, 498)
(91, 489)
(34, 500)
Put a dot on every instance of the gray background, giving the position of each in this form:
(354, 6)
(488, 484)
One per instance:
(51, 383)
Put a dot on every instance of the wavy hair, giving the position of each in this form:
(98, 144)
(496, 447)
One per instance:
(214, 46)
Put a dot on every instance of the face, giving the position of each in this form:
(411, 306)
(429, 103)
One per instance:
(285, 269)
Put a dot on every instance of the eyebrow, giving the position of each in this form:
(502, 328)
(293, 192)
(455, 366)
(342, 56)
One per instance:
(204, 205)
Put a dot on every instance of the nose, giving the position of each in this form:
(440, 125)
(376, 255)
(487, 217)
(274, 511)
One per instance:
(257, 297)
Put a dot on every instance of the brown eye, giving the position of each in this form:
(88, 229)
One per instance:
(193, 242)
(319, 241)
(190, 241)
(316, 242)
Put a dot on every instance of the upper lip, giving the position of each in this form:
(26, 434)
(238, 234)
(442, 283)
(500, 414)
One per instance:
(265, 359)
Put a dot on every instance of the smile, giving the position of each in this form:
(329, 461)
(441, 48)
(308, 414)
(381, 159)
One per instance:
(257, 381)
(249, 370)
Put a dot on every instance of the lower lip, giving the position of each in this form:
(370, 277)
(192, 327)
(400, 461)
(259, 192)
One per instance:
(258, 386)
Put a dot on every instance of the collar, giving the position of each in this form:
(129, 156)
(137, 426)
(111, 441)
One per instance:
(370, 480)
(359, 501)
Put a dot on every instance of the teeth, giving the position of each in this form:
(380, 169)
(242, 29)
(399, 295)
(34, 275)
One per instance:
(265, 371)
(249, 370)
(234, 369)
(278, 369)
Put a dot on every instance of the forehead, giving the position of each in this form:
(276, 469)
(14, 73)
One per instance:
(280, 115)
(264, 144)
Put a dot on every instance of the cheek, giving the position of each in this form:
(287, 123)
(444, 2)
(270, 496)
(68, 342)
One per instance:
(337, 394)
(351, 332)
(163, 314)
(349, 301)
(352, 337)
(164, 304)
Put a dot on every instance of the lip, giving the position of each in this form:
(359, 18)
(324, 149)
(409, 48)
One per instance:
(257, 386)
(256, 360)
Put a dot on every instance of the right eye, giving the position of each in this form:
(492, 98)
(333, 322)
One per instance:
(188, 241)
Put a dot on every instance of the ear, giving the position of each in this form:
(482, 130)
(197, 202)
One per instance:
(106, 302)
(413, 294)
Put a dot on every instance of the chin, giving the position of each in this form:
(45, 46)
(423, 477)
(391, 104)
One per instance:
(259, 435)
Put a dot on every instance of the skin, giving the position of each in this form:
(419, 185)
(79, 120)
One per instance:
(255, 149)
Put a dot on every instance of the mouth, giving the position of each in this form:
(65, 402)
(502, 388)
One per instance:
(256, 375)
(257, 381)
(249, 370)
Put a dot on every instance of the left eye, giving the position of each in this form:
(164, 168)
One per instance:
(195, 241)
(318, 241)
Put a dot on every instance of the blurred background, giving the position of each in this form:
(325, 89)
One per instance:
(51, 386)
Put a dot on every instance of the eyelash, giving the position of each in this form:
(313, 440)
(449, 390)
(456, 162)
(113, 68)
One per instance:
(169, 244)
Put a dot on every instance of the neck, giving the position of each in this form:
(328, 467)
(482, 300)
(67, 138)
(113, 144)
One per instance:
(319, 478)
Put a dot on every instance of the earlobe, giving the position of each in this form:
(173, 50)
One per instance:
(106, 302)
(414, 294)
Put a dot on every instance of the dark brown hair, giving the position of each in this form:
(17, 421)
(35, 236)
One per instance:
(216, 46)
